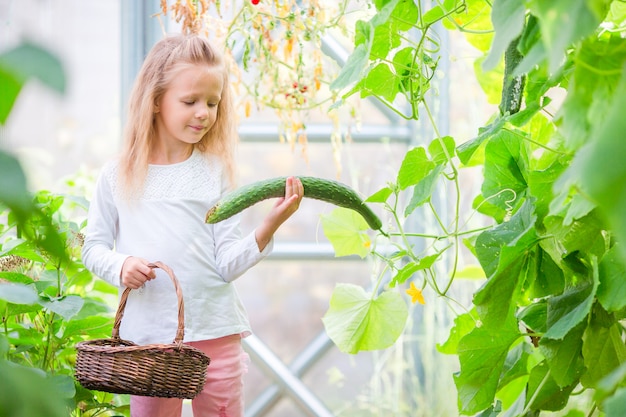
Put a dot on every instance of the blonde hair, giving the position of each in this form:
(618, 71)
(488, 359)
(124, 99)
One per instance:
(159, 68)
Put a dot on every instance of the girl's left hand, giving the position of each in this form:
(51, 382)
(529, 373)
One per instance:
(286, 206)
(282, 210)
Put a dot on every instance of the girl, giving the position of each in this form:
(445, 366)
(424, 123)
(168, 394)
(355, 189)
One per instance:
(150, 205)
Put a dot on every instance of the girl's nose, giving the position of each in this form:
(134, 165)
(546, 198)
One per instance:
(202, 112)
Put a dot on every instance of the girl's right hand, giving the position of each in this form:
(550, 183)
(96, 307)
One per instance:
(135, 272)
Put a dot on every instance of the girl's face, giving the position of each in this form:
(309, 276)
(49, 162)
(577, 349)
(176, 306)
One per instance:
(188, 108)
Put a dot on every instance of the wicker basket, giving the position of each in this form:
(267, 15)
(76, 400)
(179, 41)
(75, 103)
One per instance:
(157, 370)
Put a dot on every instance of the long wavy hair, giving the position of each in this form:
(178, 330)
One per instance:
(162, 64)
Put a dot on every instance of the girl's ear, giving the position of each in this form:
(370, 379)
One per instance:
(157, 106)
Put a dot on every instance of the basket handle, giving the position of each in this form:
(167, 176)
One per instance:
(180, 332)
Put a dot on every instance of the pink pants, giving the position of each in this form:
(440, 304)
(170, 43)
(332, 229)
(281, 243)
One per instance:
(222, 395)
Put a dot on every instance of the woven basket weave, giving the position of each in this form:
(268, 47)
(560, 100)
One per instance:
(156, 370)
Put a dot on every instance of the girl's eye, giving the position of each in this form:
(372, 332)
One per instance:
(212, 104)
(189, 103)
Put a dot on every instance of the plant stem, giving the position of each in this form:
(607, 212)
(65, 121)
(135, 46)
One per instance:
(457, 202)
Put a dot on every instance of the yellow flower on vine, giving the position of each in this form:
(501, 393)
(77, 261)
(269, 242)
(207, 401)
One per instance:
(416, 294)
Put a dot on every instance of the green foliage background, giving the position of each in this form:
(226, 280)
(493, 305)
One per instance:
(547, 324)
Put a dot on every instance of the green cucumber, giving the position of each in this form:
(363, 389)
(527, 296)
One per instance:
(322, 189)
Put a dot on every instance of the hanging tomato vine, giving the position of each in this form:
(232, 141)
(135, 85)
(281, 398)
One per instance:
(547, 323)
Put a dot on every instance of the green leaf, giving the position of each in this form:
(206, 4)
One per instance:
(356, 321)
(611, 382)
(463, 325)
(67, 306)
(567, 310)
(589, 96)
(612, 288)
(467, 150)
(549, 279)
(508, 17)
(31, 61)
(442, 149)
(515, 364)
(563, 22)
(64, 385)
(535, 316)
(16, 277)
(346, 231)
(21, 63)
(13, 189)
(585, 235)
(540, 185)
(603, 350)
(473, 16)
(28, 392)
(415, 166)
(482, 354)
(519, 234)
(18, 293)
(11, 87)
(506, 167)
(380, 196)
(615, 406)
(495, 301)
(380, 82)
(564, 357)
(94, 327)
(354, 67)
(423, 190)
(490, 81)
(543, 392)
(601, 166)
(412, 267)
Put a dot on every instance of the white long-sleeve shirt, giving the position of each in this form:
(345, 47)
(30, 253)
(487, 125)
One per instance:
(167, 223)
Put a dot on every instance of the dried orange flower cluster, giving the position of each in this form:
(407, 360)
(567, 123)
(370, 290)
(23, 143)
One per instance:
(276, 55)
(12, 263)
(190, 13)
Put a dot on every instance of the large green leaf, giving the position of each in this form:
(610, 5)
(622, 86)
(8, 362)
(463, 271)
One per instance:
(18, 293)
(615, 406)
(29, 392)
(603, 350)
(496, 300)
(358, 321)
(346, 231)
(482, 354)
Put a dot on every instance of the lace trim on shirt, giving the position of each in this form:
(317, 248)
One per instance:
(195, 178)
